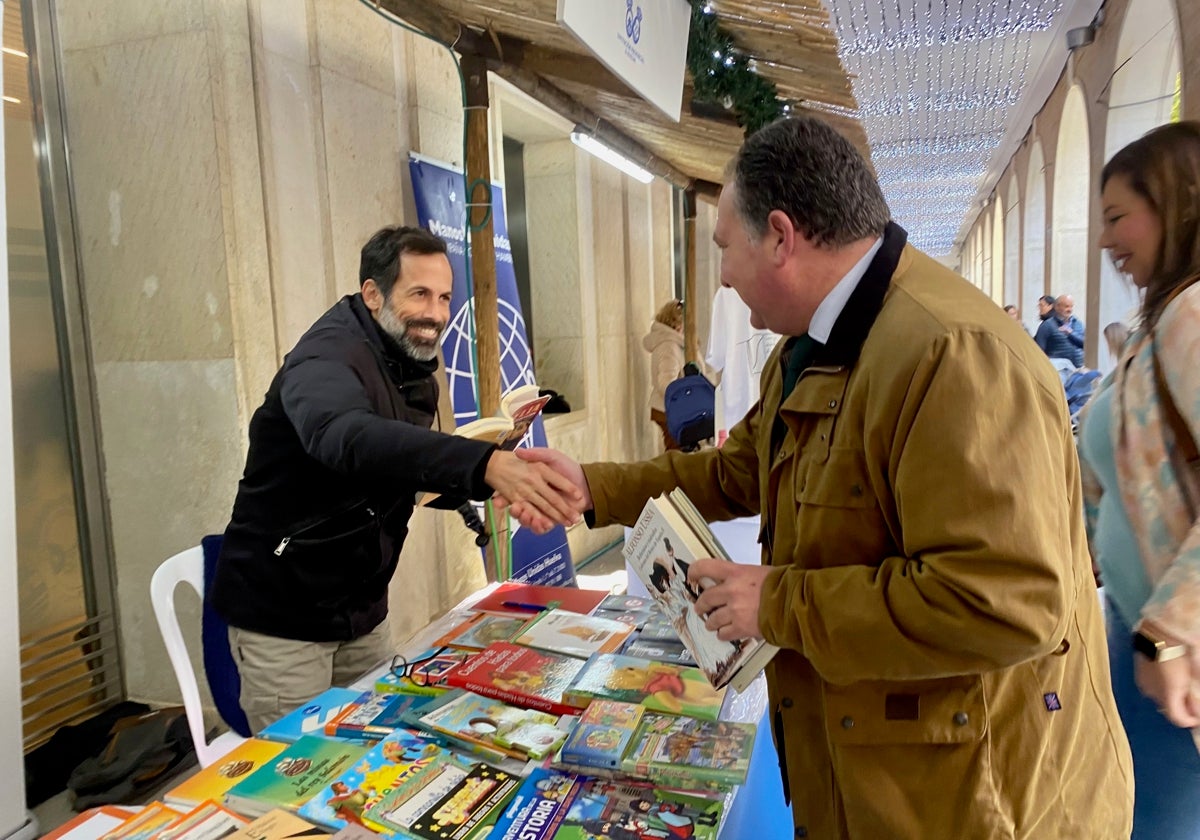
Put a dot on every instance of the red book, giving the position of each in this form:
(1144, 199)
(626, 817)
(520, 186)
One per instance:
(531, 679)
(529, 599)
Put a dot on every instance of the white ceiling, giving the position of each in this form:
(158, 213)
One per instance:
(946, 90)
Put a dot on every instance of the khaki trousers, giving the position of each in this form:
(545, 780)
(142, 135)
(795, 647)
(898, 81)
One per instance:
(279, 675)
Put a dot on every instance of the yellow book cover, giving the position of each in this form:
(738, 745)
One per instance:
(215, 780)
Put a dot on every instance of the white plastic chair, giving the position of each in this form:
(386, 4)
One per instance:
(186, 567)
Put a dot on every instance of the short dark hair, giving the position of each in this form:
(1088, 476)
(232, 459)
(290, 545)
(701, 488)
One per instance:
(1010, 308)
(381, 255)
(805, 168)
(1049, 300)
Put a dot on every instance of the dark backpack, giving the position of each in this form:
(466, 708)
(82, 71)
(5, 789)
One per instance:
(143, 752)
(690, 406)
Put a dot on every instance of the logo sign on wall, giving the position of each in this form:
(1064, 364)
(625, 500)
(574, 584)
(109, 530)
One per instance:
(644, 42)
(441, 208)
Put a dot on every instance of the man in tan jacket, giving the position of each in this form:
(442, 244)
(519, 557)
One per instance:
(943, 670)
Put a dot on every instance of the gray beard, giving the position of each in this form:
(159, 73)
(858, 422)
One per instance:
(416, 348)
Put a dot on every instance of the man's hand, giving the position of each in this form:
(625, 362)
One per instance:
(730, 597)
(544, 496)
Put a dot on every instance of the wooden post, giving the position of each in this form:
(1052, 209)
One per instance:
(483, 276)
(691, 342)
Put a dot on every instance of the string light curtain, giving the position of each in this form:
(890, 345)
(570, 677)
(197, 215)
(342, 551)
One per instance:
(935, 82)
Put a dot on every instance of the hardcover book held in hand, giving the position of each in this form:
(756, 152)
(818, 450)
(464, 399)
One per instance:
(531, 679)
(562, 631)
(668, 537)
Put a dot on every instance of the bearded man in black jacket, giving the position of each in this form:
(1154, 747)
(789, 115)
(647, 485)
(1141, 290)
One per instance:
(339, 450)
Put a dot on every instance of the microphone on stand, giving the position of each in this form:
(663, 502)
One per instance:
(471, 519)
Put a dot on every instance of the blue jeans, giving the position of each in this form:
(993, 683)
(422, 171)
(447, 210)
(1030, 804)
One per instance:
(1166, 765)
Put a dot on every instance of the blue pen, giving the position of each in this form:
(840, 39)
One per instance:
(518, 605)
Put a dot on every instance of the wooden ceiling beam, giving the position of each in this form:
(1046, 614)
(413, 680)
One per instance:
(504, 55)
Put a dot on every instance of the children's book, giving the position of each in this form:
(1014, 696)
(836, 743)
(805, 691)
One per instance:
(481, 629)
(518, 409)
(668, 537)
(463, 715)
(425, 674)
(346, 800)
(207, 821)
(278, 824)
(525, 677)
(528, 599)
(215, 780)
(374, 715)
(451, 800)
(689, 753)
(310, 719)
(294, 776)
(660, 651)
(145, 823)
(659, 686)
(562, 631)
(601, 735)
(658, 628)
(555, 805)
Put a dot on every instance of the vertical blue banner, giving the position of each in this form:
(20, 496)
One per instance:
(441, 208)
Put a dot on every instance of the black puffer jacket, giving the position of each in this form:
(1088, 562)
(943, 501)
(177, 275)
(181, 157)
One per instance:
(338, 451)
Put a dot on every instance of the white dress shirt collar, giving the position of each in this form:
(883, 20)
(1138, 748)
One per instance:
(827, 313)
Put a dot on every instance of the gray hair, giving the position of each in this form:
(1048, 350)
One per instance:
(805, 168)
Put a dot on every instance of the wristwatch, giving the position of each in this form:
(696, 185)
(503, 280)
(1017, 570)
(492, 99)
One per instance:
(1156, 650)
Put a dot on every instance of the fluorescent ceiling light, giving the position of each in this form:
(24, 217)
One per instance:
(11, 51)
(590, 144)
(12, 99)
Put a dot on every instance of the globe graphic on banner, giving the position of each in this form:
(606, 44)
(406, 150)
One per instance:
(516, 368)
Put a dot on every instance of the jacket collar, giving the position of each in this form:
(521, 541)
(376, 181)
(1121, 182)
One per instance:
(851, 328)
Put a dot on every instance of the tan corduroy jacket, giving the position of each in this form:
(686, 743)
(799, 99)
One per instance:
(944, 670)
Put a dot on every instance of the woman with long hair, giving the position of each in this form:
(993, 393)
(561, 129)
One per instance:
(1136, 442)
(665, 344)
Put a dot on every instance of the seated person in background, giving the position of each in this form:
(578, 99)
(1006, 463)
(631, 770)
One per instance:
(1045, 307)
(1061, 335)
(339, 449)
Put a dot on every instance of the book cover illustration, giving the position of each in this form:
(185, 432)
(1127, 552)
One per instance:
(660, 686)
(294, 776)
(278, 824)
(207, 821)
(481, 629)
(450, 799)
(215, 780)
(374, 715)
(660, 651)
(347, 799)
(525, 732)
(668, 537)
(310, 719)
(526, 677)
(690, 753)
(555, 805)
(145, 823)
(423, 674)
(527, 599)
(602, 734)
(562, 631)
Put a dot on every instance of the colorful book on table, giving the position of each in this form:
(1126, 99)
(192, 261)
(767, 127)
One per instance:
(207, 821)
(492, 724)
(374, 715)
(556, 805)
(683, 752)
(481, 629)
(347, 799)
(527, 599)
(145, 823)
(450, 800)
(659, 686)
(294, 776)
(214, 781)
(310, 719)
(278, 824)
(562, 631)
(601, 735)
(525, 677)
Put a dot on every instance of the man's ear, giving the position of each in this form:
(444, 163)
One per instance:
(371, 295)
(783, 236)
